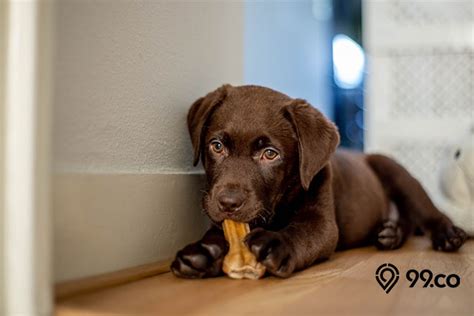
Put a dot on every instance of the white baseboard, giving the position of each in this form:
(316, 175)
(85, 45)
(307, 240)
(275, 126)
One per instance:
(108, 222)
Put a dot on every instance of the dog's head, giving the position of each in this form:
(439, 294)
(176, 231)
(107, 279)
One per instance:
(256, 144)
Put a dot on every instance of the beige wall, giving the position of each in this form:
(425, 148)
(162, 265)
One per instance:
(126, 73)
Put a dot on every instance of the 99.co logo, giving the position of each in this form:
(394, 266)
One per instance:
(387, 275)
(439, 280)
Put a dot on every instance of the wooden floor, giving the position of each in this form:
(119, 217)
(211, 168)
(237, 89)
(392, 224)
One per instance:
(344, 285)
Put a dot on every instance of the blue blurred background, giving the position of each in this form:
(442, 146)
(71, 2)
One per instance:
(310, 50)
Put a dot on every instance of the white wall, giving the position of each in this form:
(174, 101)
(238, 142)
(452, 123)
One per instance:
(125, 76)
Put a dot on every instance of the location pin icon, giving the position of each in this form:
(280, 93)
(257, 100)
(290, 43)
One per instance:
(387, 276)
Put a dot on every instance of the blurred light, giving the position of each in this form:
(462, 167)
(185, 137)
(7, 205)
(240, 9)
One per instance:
(348, 62)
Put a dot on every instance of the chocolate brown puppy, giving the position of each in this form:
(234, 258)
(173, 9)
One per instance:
(271, 161)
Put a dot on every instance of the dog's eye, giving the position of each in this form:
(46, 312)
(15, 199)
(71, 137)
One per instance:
(217, 146)
(269, 154)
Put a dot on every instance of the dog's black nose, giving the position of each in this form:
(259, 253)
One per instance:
(230, 200)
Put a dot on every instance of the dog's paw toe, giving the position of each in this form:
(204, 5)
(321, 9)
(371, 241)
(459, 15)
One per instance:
(389, 236)
(272, 250)
(449, 238)
(198, 260)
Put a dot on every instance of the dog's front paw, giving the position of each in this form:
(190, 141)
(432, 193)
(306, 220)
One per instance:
(199, 260)
(448, 237)
(272, 250)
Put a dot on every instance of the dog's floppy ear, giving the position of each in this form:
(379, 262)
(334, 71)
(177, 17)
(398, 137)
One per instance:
(199, 114)
(317, 138)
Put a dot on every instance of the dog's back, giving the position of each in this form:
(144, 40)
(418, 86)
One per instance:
(365, 184)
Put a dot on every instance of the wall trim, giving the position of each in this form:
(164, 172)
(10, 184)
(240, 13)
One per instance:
(28, 84)
(110, 222)
(3, 63)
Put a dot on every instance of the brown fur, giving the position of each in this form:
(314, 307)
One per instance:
(307, 200)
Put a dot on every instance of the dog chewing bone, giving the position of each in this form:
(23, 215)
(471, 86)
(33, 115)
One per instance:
(240, 263)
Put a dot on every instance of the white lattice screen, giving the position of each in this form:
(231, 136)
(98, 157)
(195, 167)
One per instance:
(428, 12)
(432, 83)
(420, 81)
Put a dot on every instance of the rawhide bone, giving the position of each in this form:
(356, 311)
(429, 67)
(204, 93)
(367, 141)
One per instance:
(240, 263)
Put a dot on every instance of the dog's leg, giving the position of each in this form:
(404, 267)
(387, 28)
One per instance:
(311, 235)
(392, 234)
(202, 259)
(394, 230)
(414, 204)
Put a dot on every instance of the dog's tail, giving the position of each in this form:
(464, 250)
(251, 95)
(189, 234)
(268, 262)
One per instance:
(413, 203)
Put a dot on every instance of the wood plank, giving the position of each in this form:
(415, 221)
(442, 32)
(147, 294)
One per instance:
(343, 285)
